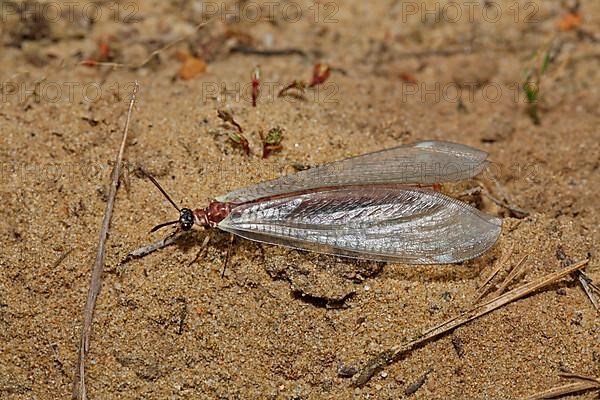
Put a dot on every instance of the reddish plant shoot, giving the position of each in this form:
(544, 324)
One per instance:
(240, 140)
(226, 116)
(320, 74)
(255, 77)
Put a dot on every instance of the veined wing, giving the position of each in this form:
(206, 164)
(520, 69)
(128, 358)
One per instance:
(418, 163)
(402, 224)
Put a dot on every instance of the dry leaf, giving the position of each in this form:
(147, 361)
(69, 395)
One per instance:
(570, 22)
(191, 67)
(182, 55)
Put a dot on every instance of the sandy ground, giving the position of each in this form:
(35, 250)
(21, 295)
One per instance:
(168, 325)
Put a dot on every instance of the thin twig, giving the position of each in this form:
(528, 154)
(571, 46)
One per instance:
(79, 390)
(564, 390)
(511, 276)
(483, 289)
(507, 203)
(517, 211)
(393, 354)
(155, 52)
(583, 383)
(267, 52)
(592, 285)
(578, 377)
(585, 281)
(427, 331)
(588, 288)
(62, 258)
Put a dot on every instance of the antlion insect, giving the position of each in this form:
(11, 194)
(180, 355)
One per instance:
(378, 206)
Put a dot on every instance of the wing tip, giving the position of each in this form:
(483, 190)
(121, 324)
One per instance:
(452, 147)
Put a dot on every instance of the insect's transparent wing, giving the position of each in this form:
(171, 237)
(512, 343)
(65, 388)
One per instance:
(409, 225)
(418, 163)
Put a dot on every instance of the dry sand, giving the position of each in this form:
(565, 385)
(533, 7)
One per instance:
(167, 326)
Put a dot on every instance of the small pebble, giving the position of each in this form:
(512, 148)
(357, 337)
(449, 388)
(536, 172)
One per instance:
(346, 371)
(268, 40)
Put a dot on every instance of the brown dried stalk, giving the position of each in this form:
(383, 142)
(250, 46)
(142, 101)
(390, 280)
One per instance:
(583, 383)
(79, 390)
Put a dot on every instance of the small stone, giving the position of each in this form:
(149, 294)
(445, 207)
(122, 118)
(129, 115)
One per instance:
(346, 371)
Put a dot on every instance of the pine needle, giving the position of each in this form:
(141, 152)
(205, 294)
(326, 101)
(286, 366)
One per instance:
(393, 354)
